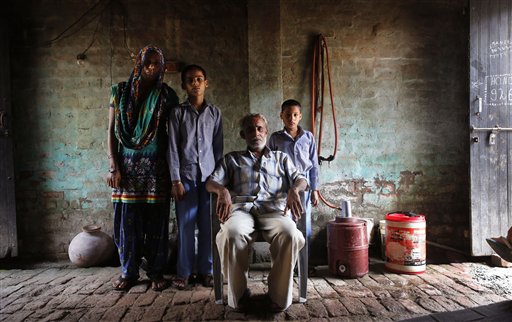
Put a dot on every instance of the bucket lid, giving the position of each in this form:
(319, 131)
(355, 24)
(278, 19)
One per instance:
(405, 216)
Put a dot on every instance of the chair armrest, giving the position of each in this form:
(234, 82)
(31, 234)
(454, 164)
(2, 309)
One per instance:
(301, 223)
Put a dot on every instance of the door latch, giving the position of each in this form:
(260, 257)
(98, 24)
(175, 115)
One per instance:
(480, 103)
(2, 120)
(492, 137)
(3, 124)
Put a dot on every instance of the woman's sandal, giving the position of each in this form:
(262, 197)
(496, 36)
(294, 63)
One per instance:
(180, 283)
(158, 284)
(123, 283)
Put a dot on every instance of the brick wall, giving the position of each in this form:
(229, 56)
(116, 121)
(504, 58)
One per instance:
(399, 74)
(400, 83)
(60, 108)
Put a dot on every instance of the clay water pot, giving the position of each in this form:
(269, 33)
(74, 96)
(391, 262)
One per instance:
(91, 247)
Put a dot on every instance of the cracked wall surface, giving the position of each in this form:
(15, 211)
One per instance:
(400, 80)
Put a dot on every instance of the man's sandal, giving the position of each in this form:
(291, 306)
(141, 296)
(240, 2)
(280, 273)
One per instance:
(158, 284)
(180, 283)
(123, 284)
(244, 301)
(206, 280)
(275, 308)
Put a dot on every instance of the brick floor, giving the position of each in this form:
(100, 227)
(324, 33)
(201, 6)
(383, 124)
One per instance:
(59, 291)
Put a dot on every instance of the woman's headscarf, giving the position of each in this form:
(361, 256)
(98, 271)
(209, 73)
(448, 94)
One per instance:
(136, 123)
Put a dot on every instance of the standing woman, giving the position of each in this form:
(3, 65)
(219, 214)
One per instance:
(139, 173)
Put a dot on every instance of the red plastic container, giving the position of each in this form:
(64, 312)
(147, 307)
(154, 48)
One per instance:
(347, 247)
(405, 243)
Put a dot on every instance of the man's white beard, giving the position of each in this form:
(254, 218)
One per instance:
(258, 146)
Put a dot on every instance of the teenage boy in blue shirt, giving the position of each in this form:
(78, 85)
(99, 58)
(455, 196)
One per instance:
(195, 147)
(300, 145)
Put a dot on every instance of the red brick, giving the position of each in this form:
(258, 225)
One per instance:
(232, 315)
(398, 280)
(429, 290)
(379, 291)
(139, 288)
(53, 194)
(448, 304)
(335, 308)
(114, 313)
(97, 300)
(145, 299)
(312, 293)
(323, 288)
(75, 315)
(202, 295)
(373, 306)
(12, 308)
(71, 301)
(297, 312)
(354, 306)
(353, 291)
(182, 297)
(93, 315)
(135, 313)
(392, 305)
(463, 301)
(175, 313)
(18, 316)
(90, 288)
(375, 280)
(213, 311)
(194, 311)
(430, 304)
(413, 307)
(37, 303)
(127, 299)
(316, 309)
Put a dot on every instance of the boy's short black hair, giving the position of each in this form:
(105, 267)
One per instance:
(289, 103)
(189, 68)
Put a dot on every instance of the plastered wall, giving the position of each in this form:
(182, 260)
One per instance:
(399, 74)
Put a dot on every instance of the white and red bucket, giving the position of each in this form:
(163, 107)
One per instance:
(406, 250)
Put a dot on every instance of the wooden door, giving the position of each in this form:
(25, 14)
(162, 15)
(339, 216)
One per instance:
(490, 121)
(8, 234)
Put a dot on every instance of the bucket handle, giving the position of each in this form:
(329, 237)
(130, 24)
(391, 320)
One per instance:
(407, 213)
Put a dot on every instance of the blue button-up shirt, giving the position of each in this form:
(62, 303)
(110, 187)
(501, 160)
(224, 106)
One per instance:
(195, 141)
(257, 185)
(302, 150)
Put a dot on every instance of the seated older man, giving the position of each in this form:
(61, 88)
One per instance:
(258, 188)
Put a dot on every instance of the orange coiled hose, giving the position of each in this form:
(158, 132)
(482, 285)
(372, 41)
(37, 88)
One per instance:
(319, 65)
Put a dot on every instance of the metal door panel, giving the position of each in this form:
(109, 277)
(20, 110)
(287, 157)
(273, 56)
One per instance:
(8, 234)
(490, 120)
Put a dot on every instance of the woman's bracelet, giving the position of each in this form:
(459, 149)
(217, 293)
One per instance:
(176, 183)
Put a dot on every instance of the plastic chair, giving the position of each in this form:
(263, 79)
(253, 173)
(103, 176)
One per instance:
(218, 282)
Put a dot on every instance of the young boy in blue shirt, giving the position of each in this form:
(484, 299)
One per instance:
(195, 146)
(300, 145)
